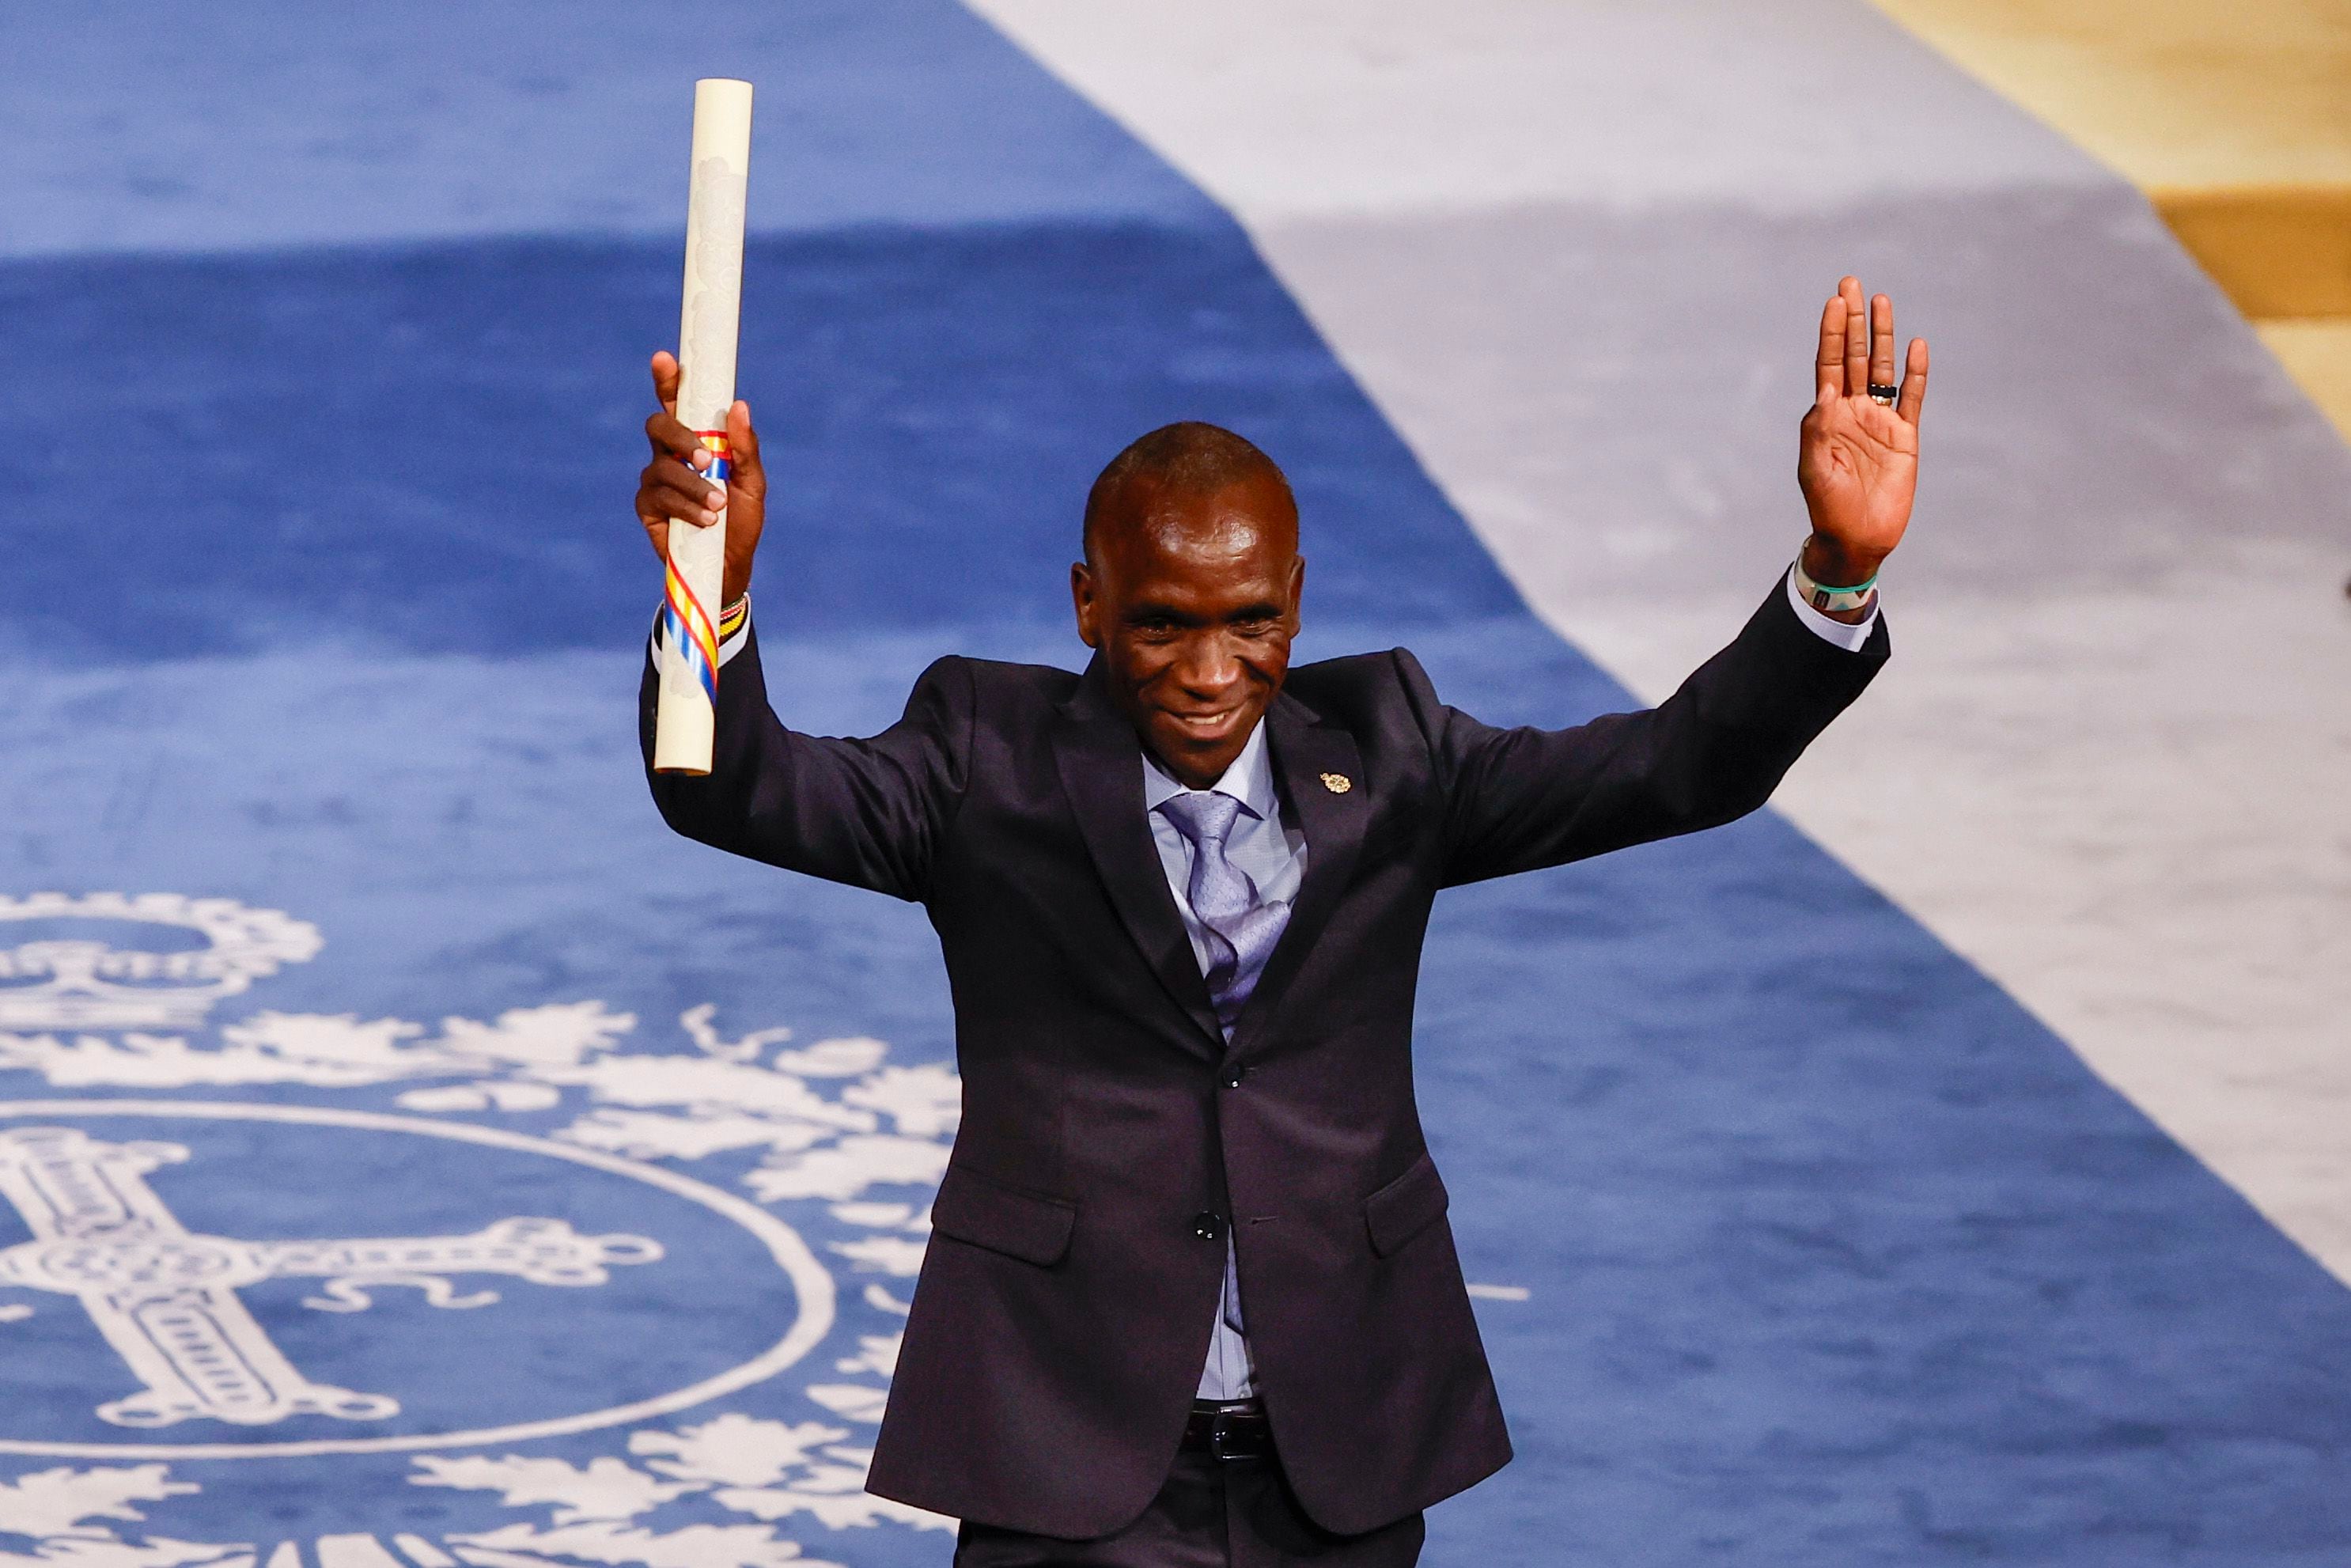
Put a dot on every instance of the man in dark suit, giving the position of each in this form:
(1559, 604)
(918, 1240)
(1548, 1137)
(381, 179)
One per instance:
(1191, 1297)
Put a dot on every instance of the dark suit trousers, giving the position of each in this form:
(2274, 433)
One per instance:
(1212, 1513)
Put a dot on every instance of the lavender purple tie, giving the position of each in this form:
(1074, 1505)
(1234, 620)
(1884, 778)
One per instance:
(1242, 927)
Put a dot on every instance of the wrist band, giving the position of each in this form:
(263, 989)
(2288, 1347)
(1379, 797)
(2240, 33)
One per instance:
(1827, 598)
(731, 619)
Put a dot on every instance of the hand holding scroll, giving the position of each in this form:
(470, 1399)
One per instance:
(672, 489)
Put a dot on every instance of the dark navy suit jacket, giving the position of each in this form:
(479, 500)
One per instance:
(1066, 1300)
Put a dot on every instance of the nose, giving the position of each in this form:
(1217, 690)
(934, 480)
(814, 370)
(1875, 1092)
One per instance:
(1207, 669)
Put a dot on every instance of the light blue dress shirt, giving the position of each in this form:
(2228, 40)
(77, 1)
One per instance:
(1273, 855)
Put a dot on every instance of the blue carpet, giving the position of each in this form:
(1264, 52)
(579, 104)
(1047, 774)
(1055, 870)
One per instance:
(1829, 1252)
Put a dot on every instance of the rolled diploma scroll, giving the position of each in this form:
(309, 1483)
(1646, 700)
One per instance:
(685, 716)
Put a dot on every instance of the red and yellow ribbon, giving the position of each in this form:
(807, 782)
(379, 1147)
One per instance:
(686, 624)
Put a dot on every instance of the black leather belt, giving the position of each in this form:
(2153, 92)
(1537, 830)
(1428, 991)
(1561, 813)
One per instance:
(1237, 1431)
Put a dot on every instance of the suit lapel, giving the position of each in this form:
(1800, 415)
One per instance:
(1101, 764)
(1320, 773)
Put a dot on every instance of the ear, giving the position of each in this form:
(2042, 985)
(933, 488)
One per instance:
(1082, 600)
(1297, 591)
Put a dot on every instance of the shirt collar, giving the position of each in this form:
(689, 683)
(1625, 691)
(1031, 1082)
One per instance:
(1249, 779)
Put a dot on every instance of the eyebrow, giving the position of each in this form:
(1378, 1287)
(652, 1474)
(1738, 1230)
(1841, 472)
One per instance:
(1259, 610)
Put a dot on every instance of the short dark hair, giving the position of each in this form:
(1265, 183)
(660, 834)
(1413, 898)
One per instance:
(1190, 457)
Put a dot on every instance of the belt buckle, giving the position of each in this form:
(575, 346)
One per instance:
(1220, 1428)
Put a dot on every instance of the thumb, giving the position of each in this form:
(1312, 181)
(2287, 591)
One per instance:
(743, 446)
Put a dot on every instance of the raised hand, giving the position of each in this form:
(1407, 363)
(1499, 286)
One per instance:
(1858, 458)
(672, 489)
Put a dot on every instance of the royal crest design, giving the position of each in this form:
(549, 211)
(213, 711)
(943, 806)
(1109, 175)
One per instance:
(161, 1256)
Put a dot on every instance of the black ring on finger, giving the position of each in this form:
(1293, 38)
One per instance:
(1880, 392)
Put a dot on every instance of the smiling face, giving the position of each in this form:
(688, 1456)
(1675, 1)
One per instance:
(1192, 597)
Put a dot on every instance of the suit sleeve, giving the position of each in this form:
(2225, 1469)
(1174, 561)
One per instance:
(1516, 800)
(869, 812)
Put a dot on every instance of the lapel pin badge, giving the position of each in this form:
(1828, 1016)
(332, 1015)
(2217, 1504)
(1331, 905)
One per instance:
(1337, 783)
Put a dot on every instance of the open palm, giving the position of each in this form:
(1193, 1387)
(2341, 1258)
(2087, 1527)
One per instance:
(1858, 458)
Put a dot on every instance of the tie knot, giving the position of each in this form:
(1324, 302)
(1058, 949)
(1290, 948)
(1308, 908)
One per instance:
(1203, 816)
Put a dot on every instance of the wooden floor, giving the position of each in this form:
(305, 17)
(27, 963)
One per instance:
(2234, 116)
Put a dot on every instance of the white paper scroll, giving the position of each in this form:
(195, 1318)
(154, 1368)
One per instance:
(685, 718)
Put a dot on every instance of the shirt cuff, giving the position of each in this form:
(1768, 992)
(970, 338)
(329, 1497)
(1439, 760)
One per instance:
(1851, 638)
(734, 630)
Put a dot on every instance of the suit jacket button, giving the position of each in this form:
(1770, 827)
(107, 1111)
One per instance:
(1209, 1226)
(1233, 1076)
